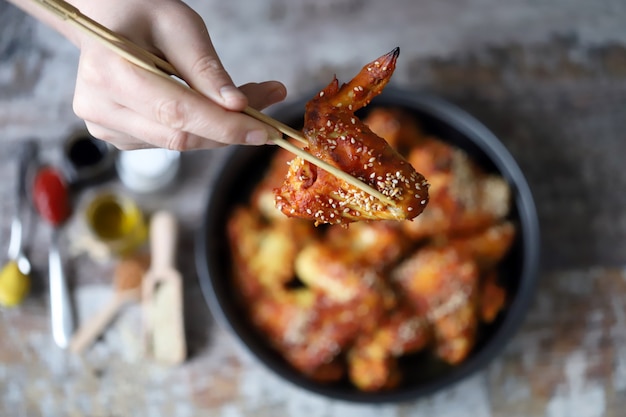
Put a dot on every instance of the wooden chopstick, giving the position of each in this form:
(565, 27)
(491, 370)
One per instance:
(158, 66)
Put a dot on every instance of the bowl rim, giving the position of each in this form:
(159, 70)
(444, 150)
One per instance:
(506, 165)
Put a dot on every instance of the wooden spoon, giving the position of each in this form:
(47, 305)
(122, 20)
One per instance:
(162, 295)
(128, 275)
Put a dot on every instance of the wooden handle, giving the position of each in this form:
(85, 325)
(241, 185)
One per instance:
(162, 296)
(167, 340)
(163, 237)
(93, 328)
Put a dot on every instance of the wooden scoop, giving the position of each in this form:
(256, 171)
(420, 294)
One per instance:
(128, 275)
(162, 295)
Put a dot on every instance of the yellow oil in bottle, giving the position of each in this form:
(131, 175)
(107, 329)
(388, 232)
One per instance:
(118, 222)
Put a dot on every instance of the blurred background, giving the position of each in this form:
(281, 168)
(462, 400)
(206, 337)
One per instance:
(548, 78)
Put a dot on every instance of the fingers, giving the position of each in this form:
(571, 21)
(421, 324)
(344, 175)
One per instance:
(121, 141)
(184, 115)
(133, 131)
(192, 53)
(127, 105)
(141, 133)
(262, 95)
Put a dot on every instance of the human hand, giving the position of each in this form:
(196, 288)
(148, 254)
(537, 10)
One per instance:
(133, 108)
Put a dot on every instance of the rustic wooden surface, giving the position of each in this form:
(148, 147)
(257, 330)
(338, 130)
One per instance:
(548, 78)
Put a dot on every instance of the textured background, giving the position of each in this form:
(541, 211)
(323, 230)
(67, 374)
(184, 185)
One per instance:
(548, 78)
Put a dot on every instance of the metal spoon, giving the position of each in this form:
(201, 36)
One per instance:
(60, 306)
(27, 154)
(51, 199)
(14, 276)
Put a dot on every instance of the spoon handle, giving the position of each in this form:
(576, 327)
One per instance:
(94, 327)
(163, 240)
(60, 307)
(27, 154)
(162, 297)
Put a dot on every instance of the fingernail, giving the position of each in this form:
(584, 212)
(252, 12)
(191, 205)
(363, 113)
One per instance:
(257, 137)
(230, 93)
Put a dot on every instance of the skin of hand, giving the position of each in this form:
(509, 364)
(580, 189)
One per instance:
(133, 108)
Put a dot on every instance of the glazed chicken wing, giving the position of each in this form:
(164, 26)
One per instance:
(337, 136)
(379, 245)
(372, 363)
(264, 252)
(463, 198)
(398, 127)
(442, 285)
(487, 247)
(310, 329)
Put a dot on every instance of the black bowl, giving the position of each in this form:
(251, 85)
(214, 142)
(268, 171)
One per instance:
(242, 167)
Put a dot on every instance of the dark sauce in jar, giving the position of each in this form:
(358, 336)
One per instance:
(88, 159)
(85, 152)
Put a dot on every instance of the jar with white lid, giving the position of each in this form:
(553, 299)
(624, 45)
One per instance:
(148, 170)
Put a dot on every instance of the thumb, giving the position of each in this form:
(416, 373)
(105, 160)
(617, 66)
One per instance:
(188, 47)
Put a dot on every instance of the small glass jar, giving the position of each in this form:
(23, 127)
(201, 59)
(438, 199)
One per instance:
(87, 160)
(117, 222)
(148, 170)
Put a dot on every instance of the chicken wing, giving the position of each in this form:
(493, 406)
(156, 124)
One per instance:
(337, 136)
(463, 198)
(308, 328)
(398, 127)
(263, 253)
(442, 285)
(379, 245)
(372, 363)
